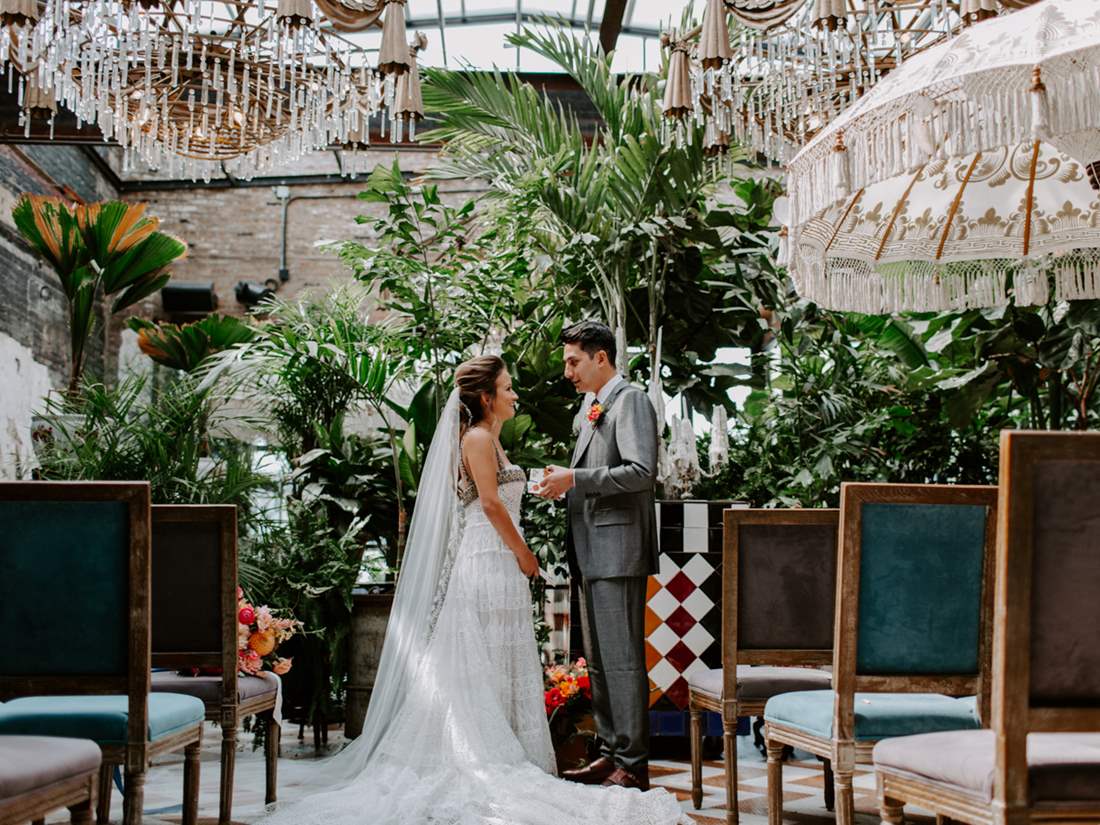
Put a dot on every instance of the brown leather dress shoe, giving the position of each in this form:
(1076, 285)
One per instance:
(638, 777)
(593, 773)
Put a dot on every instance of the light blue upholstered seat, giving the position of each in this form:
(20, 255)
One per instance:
(99, 718)
(878, 715)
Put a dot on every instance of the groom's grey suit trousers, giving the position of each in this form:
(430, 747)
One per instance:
(612, 549)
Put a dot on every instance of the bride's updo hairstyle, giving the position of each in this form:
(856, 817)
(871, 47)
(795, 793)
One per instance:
(474, 379)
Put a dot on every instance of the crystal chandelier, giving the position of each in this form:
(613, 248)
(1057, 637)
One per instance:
(196, 86)
(791, 66)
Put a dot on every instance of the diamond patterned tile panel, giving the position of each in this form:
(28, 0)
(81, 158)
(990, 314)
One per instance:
(684, 612)
(699, 568)
(663, 604)
(663, 639)
(698, 604)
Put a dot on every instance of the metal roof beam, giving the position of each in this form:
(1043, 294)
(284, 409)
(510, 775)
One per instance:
(611, 24)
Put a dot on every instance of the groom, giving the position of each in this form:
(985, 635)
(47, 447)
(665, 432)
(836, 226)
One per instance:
(612, 547)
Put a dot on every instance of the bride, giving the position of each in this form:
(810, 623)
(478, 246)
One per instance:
(457, 733)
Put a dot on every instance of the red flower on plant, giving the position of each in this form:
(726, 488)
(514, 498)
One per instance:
(246, 615)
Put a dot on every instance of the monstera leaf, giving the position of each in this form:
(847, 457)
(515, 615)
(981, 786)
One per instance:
(185, 347)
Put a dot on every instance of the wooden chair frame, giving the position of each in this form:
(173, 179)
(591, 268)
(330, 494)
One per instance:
(228, 712)
(138, 751)
(1014, 716)
(77, 793)
(730, 707)
(842, 749)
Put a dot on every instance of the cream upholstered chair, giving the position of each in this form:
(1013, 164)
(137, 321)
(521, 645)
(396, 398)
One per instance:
(1041, 760)
(913, 632)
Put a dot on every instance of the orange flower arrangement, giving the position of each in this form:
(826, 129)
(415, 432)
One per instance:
(595, 414)
(567, 686)
(259, 633)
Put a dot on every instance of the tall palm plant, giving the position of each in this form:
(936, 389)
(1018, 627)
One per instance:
(99, 249)
(611, 208)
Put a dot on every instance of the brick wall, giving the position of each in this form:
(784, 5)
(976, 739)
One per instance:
(234, 234)
(34, 337)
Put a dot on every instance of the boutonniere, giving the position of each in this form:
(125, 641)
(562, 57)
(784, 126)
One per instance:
(595, 414)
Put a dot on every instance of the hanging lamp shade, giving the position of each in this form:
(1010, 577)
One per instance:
(38, 99)
(974, 11)
(714, 40)
(407, 101)
(830, 14)
(294, 13)
(393, 56)
(678, 101)
(18, 12)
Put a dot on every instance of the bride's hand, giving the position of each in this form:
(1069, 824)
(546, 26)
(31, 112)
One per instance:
(528, 564)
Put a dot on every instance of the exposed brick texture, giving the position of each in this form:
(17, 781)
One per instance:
(234, 234)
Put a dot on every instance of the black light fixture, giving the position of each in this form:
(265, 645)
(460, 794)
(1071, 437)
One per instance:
(251, 293)
(183, 298)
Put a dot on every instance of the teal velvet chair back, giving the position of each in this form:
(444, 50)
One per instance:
(194, 583)
(915, 592)
(74, 589)
(920, 588)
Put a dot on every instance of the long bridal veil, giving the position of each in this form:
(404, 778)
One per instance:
(421, 586)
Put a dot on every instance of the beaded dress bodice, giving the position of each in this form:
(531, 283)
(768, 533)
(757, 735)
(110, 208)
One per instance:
(511, 484)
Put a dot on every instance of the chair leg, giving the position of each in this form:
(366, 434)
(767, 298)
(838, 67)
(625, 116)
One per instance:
(775, 782)
(103, 799)
(191, 783)
(81, 813)
(845, 802)
(271, 752)
(697, 758)
(830, 790)
(229, 764)
(893, 811)
(133, 801)
(729, 752)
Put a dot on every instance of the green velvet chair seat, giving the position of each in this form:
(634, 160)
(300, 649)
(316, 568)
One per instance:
(99, 718)
(878, 715)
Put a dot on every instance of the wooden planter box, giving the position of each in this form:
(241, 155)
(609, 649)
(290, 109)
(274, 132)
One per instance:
(369, 617)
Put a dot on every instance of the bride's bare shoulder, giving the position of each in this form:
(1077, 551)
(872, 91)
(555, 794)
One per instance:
(477, 441)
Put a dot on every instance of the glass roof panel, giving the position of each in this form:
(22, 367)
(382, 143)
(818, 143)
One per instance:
(474, 31)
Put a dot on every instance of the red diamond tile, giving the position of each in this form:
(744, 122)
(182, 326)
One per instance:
(678, 693)
(680, 657)
(680, 586)
(681, 621)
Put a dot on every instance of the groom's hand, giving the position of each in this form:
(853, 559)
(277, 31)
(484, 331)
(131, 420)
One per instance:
(556, 482)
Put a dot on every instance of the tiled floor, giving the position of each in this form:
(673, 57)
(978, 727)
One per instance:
(803, 799)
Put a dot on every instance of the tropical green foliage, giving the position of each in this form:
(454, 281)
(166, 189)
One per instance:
(176, 439)
(104, 249)
(184, 347)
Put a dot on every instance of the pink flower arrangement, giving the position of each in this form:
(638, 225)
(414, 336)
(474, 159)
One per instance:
(260, 631)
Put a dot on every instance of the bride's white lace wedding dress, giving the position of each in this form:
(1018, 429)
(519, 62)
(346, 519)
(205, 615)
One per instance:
(470, 743)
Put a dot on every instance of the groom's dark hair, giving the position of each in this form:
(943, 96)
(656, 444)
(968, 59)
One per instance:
(591, 336)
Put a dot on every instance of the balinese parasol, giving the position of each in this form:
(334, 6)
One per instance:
(967, 176)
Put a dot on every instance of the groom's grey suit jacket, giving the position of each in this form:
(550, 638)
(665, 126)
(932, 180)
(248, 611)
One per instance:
(611, 521)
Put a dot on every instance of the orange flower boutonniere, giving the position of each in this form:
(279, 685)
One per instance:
(595, 414)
